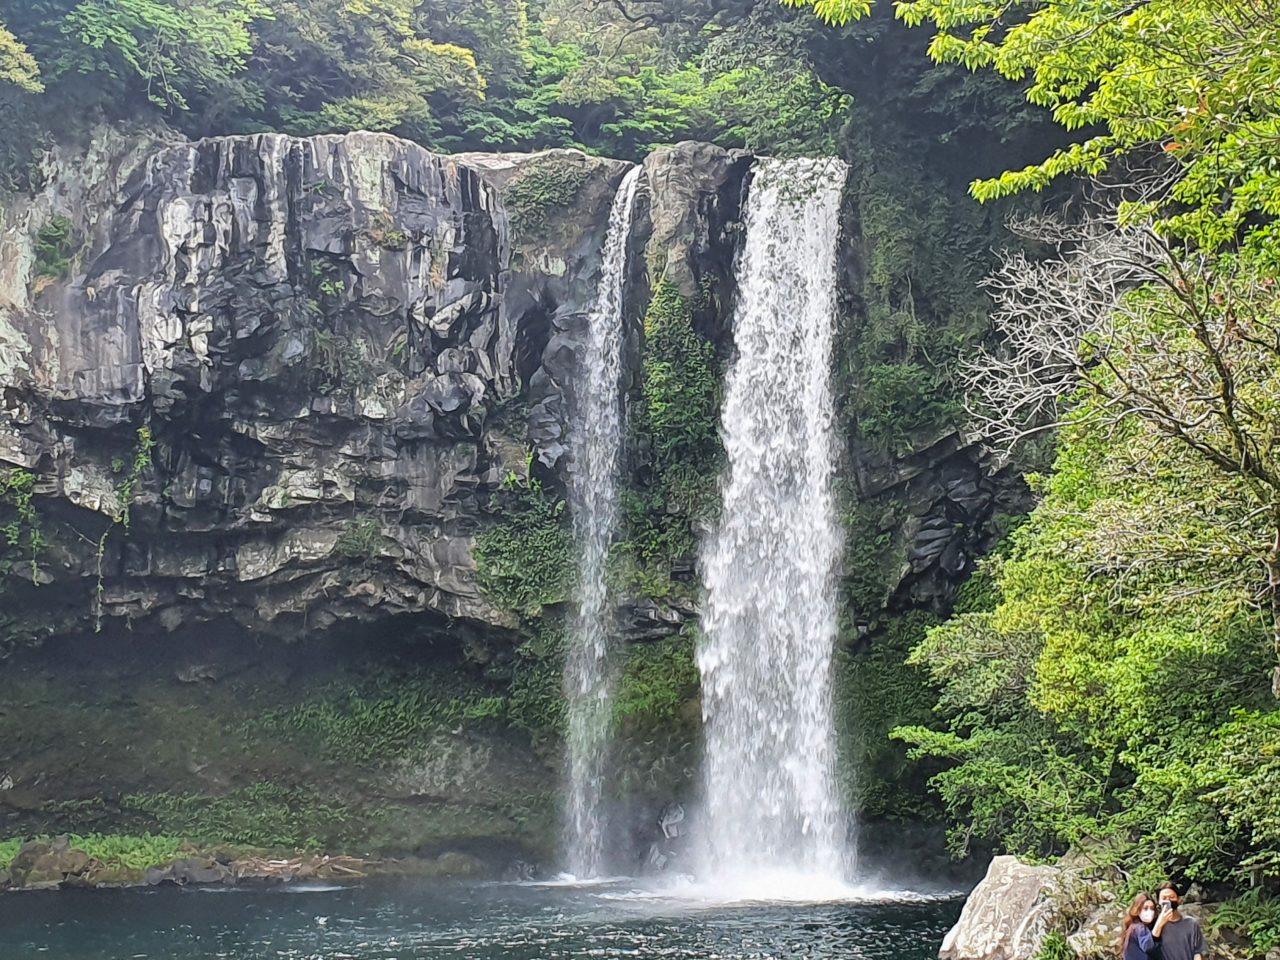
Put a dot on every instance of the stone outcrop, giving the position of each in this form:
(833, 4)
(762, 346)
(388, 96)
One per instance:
(1008, 914)
(696, 193)
(1017, 906)
(57, 863)
(340, 347)
(942, 508)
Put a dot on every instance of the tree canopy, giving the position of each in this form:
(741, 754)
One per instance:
(492, 74)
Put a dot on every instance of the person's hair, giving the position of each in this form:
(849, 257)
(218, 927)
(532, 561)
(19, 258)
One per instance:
(1171, 886)
(1132, 917)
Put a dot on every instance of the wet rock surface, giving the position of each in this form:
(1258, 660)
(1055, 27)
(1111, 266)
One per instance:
(1017, 906)
(339, 347)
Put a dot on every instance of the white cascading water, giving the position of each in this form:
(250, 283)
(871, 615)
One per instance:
(595, 449)
(774, 820)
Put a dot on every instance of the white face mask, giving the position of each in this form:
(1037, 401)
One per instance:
(1147, 915)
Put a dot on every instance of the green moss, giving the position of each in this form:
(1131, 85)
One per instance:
(8, 850)
(659, 678)
(524, 561)
(537, 702)
(674, 431)
(112, 850)
(386, 235)
(871, 557)
(21, 531)
(133, 853)
(875, 692)
(384, 717)
(341, 364)
(901, 404)
(681, 380)
(1055, 947)
(262, 815)
(56, 245)
(305, 763)
(360, 539)
(546, 187)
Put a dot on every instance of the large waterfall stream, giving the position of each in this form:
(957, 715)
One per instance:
(595, 450)
(769, 626)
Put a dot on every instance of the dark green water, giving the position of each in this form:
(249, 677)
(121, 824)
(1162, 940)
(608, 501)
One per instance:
(414, 921)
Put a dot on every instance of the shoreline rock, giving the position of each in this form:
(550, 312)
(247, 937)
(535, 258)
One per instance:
(1018, 907)
(57, 865)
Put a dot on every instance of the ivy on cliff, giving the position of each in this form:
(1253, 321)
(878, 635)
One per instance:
(673, 427)
(658, 680)
(22, 532)
(524, 560)
(541, 191)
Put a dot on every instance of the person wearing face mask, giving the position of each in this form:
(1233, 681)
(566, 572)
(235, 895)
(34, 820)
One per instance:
(1180, 937)
(1137, 942)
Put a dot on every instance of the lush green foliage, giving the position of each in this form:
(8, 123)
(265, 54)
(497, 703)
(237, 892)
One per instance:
(1255, 914)
(262, 815)
(658, 680)
(494, 74)
(133, 853)
(535, 701)
(876, 690)
(17, 66)
(525, 559)
(111, 850)
(915, 135)
(1103, 697)
(673, 424)
(8, 850)
(360, 539)
(23, 532)
(386, 716)
(1205, 94)
(540, 192)
(55, 246)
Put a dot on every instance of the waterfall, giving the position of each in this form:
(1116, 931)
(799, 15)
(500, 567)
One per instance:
(595, 447)
(769, 625)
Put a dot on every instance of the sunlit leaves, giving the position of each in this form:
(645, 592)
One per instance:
(17, 66)
(1197, 80)
(176, 49)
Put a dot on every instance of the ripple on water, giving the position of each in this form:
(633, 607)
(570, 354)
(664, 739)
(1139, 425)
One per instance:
(424, 921)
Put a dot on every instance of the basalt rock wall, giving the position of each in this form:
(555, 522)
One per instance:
(326, 341)
(260, 388)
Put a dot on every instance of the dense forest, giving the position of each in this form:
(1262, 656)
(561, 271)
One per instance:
(1107, 679)
(491, 74)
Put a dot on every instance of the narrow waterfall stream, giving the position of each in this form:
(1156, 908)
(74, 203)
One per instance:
(769, 626)
(595, 447)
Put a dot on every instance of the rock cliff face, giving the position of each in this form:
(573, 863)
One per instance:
(326, 341)
(291, 386)
(339, 348)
